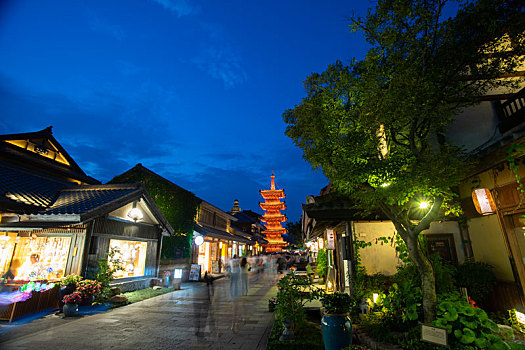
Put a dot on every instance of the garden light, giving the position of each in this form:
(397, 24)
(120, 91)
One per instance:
(423, 205)
(375, 296)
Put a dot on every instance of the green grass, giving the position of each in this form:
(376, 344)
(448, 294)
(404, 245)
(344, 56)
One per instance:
(143, 294)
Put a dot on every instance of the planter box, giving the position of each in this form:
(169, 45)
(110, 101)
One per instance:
(39, 301)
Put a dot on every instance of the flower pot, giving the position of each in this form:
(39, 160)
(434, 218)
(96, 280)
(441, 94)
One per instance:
(70, 310)
(337, 331)
(63, 291)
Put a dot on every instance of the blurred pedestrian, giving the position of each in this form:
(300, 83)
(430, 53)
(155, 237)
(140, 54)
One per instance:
(235, 271)
(244, 268)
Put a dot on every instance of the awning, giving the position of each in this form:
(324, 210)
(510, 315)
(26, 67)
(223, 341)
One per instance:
(209, 231)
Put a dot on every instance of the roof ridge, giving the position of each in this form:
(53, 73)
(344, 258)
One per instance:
(135, 185)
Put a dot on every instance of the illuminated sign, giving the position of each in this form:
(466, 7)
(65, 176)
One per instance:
(330, 239)
(199, 240)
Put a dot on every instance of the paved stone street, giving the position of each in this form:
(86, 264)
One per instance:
(184, 319)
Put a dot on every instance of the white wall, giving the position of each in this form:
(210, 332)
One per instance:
(488, 245)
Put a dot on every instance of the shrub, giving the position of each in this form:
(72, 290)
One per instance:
(478, 278)
(294, 292)
(337, 303)
(105, 274)
(89, 288)
(70, 279)
(467, 325)
(321, 264)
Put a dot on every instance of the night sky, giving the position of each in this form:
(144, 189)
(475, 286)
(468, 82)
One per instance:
(194, 90)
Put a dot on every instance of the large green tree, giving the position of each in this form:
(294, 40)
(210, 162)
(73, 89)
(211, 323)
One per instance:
(376, 126)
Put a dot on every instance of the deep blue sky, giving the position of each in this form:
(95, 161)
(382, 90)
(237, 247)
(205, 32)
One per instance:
(193, 90)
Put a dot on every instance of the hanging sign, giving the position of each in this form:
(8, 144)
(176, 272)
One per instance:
(483, 201)
(330, 239)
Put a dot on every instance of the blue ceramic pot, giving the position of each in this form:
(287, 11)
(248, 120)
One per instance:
(70, 310)
(337, 331)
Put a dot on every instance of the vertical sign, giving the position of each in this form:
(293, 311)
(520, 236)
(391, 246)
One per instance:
(330, 239)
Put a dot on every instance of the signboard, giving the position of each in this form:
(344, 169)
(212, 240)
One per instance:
(195, 272)
(433, 334)
(330, 239)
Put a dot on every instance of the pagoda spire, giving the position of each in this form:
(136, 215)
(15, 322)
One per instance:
(272, 217)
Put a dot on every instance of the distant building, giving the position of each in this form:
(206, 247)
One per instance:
(273, 218)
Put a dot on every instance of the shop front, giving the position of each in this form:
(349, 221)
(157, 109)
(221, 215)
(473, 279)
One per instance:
(213, 248)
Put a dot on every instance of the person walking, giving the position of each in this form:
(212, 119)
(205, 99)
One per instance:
(245, 267)
(235, 271)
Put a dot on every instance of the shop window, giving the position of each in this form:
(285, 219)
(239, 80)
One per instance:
(40, 258)
(130, 256)
(7, 245)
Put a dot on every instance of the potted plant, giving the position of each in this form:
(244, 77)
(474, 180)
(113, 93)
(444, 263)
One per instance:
(336, 325)
(71, 302)
(67, 286)
(89, 289)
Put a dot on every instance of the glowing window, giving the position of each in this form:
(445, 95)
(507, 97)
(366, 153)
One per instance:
(130, 256)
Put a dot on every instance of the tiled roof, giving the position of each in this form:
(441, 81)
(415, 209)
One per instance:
(83, 199)
(215, 233)
(24, 186)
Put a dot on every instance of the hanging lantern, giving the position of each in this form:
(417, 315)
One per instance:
(483, 201)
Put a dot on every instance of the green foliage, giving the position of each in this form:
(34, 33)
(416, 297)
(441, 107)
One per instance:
(443, 272)
(467, 325)
(308, 336)
(336, 303)
(321, 263)
(105, 273)
(294, 292)
(478, 278)
(177, 205)
(400, 306)
(514, 323)
(70, 279)
(294, 233)
(400, 99)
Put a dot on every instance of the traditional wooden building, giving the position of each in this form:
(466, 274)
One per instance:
(56, 220)
(248, 224)
(206, 230)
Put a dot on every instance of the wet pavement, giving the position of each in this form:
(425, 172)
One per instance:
(196, 317)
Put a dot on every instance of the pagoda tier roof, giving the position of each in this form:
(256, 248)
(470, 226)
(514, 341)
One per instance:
(274, 206)
(272, 193)
(279, 216)
(274, 232)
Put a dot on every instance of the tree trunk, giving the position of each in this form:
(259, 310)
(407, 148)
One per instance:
(426, 273)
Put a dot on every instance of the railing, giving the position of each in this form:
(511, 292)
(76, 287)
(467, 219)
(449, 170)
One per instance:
(511, 113)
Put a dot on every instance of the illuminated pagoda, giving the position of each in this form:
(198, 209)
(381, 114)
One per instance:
(273, 218)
